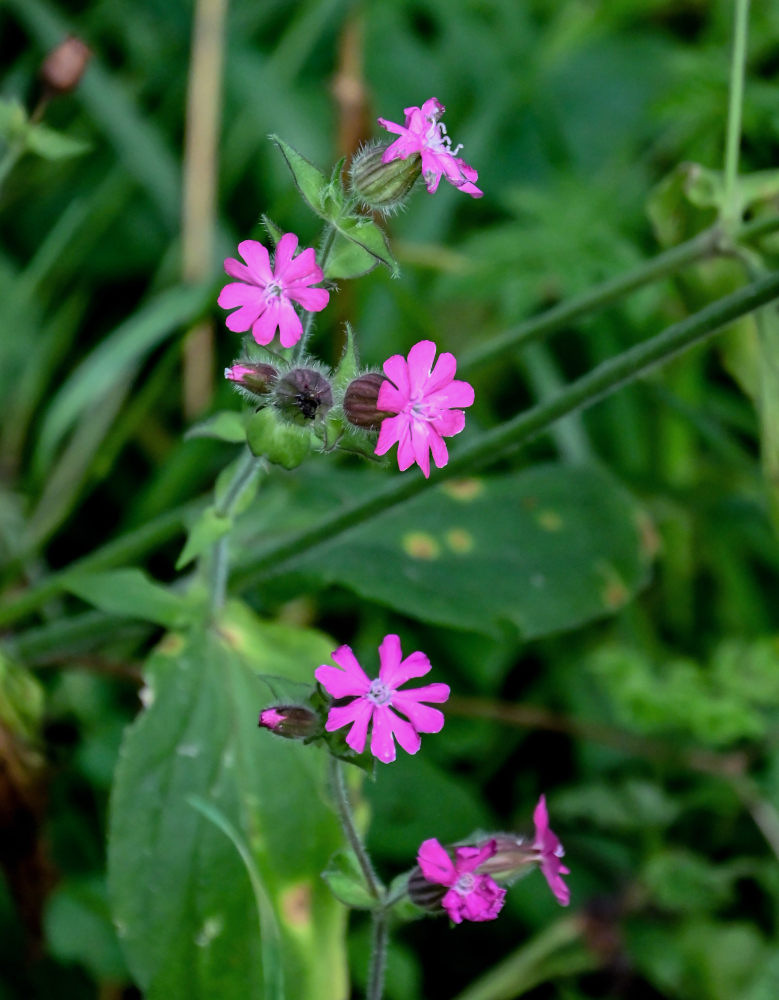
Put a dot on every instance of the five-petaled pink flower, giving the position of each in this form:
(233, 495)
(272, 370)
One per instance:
(550, 851)
(374, 700)
(264, 295)
(423, 133)
(427, 401)
(471, 896)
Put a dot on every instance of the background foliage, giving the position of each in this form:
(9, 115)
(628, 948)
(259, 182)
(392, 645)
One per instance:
(603, 604)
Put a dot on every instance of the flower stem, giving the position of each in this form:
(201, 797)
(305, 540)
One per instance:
(731, 207)
(501, 441)
(380, 939)
(344, 809)
(247, 469)
(308, 323)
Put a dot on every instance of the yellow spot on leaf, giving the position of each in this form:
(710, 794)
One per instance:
(171, 644)
(464, 490)
(549, 520)
(420, 545)
(459, 540)
(614, 592)
(648, 537)
(296, 905)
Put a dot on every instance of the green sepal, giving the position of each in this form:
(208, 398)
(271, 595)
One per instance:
(281, 443)
(273, 231)
(347, 882)
(349, 365)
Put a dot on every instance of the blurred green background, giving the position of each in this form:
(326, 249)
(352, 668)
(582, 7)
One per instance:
(652, 729)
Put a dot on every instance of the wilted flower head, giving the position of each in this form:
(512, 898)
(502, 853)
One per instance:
(302, 395)
(262, 296)
(423, 133)
(471, 896)
(550, 851)
(428, 405)
(381, 185)
(373, 701)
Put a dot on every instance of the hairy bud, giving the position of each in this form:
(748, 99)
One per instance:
(383, 187)
(258, 379)
(427, 895)
(303, 395)
(294, 722)
(360, 402)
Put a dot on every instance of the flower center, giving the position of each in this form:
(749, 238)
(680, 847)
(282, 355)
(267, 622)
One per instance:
(379, 694)
(465, 884)
(437, 140)
(273, 290)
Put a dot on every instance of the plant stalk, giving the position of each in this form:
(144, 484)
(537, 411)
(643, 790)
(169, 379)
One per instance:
(344, 809)
(379, 942)
(732, 208)
(247, 469)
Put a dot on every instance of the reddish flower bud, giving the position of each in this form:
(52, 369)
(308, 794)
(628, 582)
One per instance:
(294, 722)
(64, 66)
(302, 395)
(257, 378)
(360, 402)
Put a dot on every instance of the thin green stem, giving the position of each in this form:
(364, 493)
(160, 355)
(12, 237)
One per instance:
(245, 472)
(344, 809)
(308, 322)
(731, 209)
(505, 439)
(380, 939)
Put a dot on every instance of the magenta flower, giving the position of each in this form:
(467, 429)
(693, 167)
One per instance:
(424, 134)
(262, 296)
(427, 402)
(374, 700)
(471, 896)
(550, 851)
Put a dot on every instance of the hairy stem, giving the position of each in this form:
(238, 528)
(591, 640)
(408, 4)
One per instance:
(379, 941)
(308, 322)
(246, 471)
(344, 809)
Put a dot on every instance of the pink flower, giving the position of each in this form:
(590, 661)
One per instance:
(471, 896)
(264, 295)
(374, 700)
(550, 851)
(423, 133)
(426, 401)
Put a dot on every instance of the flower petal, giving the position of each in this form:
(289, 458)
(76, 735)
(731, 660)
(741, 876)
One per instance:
(435, 863)
(421, 717)
(311, 299)
(257, 262)
(382, 743)
(404, 733)
(389, 434)
(285, 250)
(441, 374)
(237, 293)
(416, 664)
(396, 370)
(290, 327)
(420, 361)
(390, 655)
(350, 679)
(238, 270)
(420, 443)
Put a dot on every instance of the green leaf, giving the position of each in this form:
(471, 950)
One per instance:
(273, 231)
(227, 425)
(13, 119)
(347, 882)
(348, 260)
(22, 700)
(366, 234)
(206, 530)
(131, 594)
(79, 929)
(181, 895)
(568, 544)
(53, 145)
(309, 180)
(279, 442)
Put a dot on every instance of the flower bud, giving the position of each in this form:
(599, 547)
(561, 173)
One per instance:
(513, 857)
(64, 66)
(294, 722)
(383, 187)
(427, 895)
(256, 378)
(302, 395)
(360, 402)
